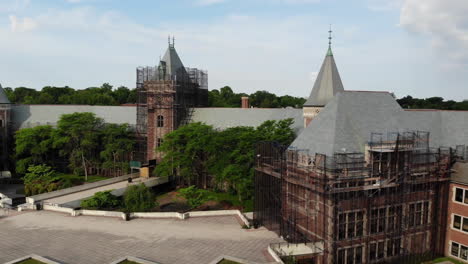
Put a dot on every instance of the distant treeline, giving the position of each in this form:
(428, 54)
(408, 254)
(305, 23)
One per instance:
(409, 102)
(224, 97)
(104, 95)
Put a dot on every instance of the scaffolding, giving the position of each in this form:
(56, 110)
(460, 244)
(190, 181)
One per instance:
(385, 205)
(165, 102)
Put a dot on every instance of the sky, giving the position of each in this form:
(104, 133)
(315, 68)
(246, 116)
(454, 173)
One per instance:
(408, 47)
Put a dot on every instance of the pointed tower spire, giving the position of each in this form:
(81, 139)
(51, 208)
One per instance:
(172, 62)
(328, 82)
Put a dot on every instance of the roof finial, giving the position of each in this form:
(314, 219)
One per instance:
(329, 53)
(173, 41)
(169, 40)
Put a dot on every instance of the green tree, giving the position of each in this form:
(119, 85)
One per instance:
(139, 198)
(185, 149)
(117, 143)
(40, 179)
(33, 146)
(195, 150)
(77, 138)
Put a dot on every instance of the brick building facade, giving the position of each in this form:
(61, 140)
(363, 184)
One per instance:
(457, 216)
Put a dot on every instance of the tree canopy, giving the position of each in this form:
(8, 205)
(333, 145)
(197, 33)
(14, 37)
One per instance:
(81, 141)
(197, 150)
(104, 95)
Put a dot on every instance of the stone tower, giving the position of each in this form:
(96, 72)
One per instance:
(5, 113)
(327, 84)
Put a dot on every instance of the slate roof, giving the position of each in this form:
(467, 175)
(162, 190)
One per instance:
(3, 96)
(174, 65)
(222, 118)
(348, 120)
(327, 84)
(33, 115)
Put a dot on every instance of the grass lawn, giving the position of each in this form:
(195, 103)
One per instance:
(76, 178)
(439, 260)
(225, 261)
(31, 261)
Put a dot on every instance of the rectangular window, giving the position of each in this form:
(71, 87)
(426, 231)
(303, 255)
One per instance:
(466, 196)
(465, 224)
(418, 214)
(459, 195)
(455, 249)
(350, 225)
(377, 220)
(464, 252)
(457, 222)
(372, 251)
(350, 256)
(358, 255)
(341, 257)
(411, 215)
(380, 250)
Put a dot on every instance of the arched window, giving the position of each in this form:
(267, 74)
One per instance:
(160, 121)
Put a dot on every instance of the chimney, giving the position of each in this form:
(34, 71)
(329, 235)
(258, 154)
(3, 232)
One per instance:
(245, 102)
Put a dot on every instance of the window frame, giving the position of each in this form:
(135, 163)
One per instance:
(460, 249)
(347, 225)
(464, 195)
(463, 219)
(160, 121)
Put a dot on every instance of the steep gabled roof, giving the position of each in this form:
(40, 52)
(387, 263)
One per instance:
(327, 84)
(3, 96)
(173, 64)
(347, 121)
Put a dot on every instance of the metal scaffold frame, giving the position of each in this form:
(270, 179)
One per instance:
(165, 102)
(382, 206)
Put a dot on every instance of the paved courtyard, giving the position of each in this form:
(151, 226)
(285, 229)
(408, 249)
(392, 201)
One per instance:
(102, 240)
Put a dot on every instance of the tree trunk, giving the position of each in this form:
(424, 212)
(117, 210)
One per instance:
(84, 167)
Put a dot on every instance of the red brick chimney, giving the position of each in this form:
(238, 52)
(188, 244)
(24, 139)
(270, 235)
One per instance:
(245, 102)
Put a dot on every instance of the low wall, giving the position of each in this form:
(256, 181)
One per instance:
(44, 196)
(151, 182)
(155, 215)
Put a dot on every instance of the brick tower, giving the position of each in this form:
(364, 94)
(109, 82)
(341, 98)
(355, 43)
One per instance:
(166, 96)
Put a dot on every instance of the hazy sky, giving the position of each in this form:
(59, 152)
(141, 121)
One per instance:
(416, 47)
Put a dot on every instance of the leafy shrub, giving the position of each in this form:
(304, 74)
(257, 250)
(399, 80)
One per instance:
(101, 200)
(194, 196)
(139, 198)
(40, 179)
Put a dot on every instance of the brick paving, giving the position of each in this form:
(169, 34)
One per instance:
(102, 240)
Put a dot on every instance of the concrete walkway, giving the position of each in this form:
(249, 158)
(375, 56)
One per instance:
(88, 193)
(102, 240)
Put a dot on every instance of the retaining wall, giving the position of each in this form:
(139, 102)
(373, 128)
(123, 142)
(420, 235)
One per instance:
(155, 215)
(44, 196)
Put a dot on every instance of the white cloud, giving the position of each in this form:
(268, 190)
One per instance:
(209, 2)
(444, 22)
(22, 25)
